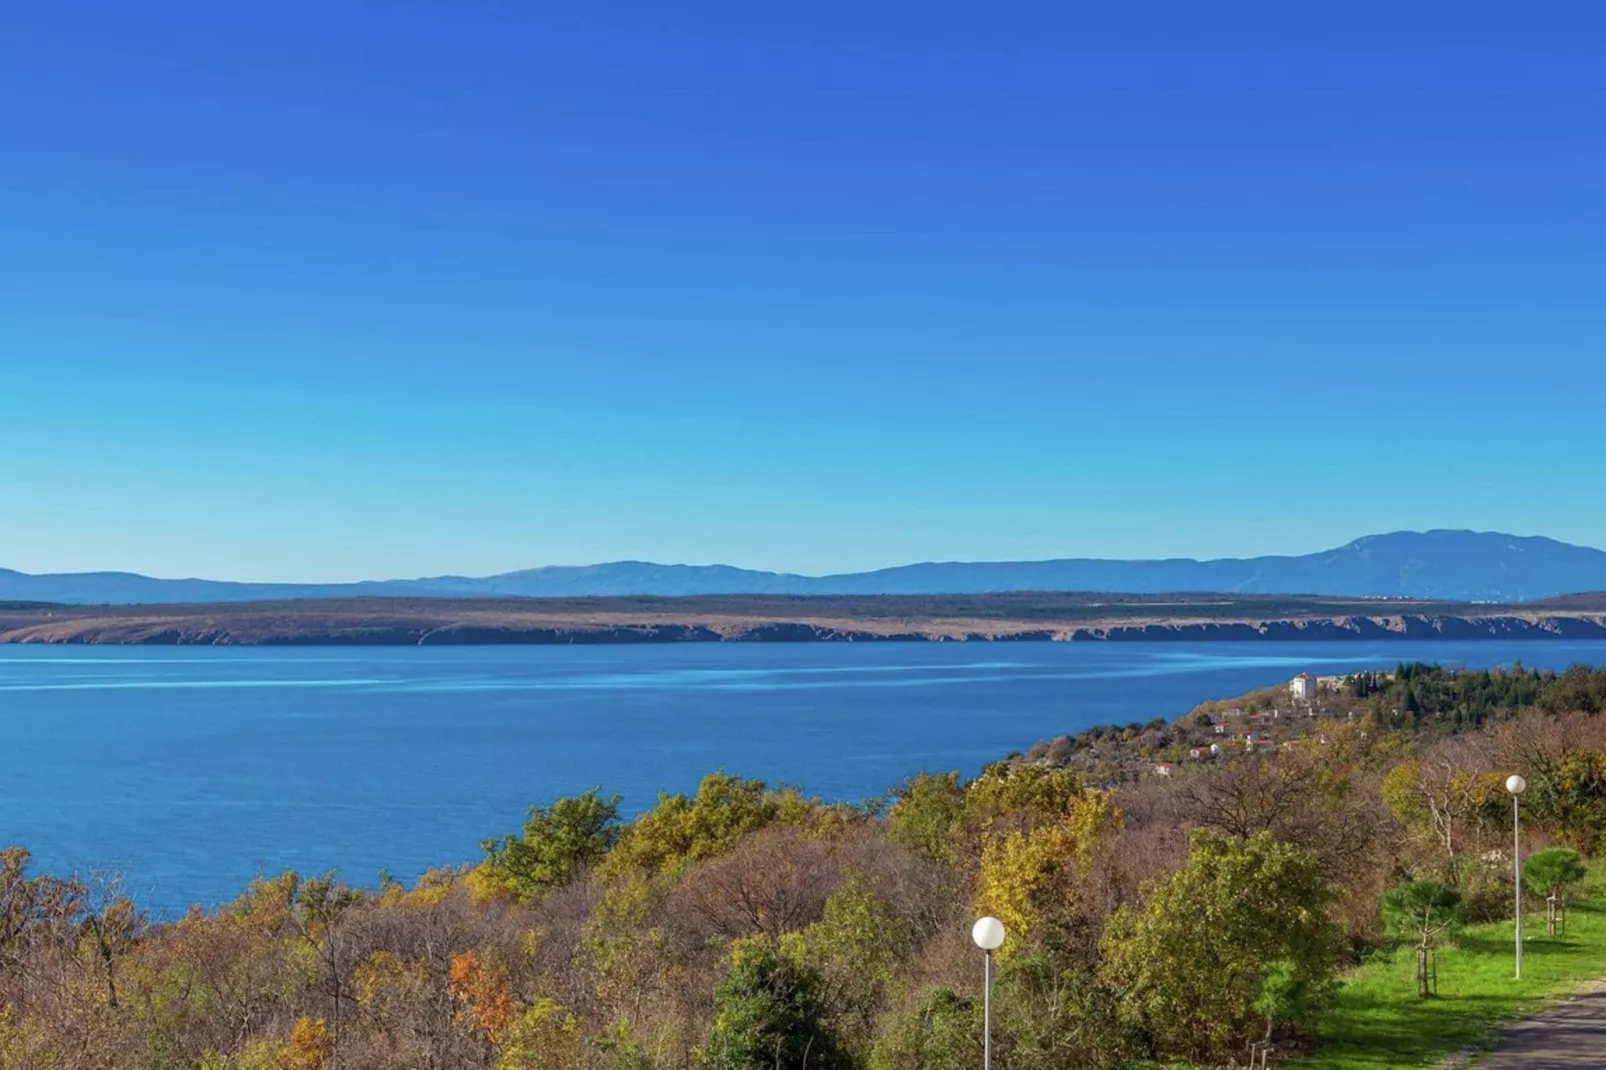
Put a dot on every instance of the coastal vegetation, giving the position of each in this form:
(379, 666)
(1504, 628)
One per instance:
(1256, 902)
(1416, 701)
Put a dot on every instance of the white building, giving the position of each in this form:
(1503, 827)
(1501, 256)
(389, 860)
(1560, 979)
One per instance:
(1303, 688)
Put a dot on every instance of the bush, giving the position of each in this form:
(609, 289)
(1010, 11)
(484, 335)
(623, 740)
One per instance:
(768, 1015)
(941, 1032)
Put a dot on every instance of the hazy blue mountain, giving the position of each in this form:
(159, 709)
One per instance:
(1456, 565)
(130, 587)
(624, 578)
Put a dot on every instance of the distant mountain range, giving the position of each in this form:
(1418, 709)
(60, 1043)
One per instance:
(1447, 565)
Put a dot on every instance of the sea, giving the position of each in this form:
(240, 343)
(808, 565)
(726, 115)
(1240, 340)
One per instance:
(184, 772)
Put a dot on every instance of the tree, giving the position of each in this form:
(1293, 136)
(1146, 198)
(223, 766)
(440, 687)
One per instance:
(768, 1015)
(941, 1032)
(1284, 995)
(1038, 829)
(113, 927)
(1445, 801)
(679, 830)
(1422, 910)
(1028, 877)
(775, 881)
(1569, 795)
(1049, 1018)
(855, 949)
(1299, 798)
(1553, 871)
(1190, 962)
(316, 909)
(558, 841)
(547, 1036)
(1030, 791)
(924, 812)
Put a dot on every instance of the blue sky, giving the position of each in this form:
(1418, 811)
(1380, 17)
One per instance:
(329, 291)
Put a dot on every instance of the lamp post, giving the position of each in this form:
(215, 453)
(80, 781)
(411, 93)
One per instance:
(1517, 785)
(989, 936)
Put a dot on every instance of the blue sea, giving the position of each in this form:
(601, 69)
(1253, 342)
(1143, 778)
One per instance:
(190, 770)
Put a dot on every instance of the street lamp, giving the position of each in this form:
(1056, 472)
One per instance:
(989, 936)
(1517, 785)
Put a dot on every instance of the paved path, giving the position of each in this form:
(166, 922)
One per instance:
(1568, 1036)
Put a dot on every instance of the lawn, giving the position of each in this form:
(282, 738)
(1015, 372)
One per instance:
(1377, 1020)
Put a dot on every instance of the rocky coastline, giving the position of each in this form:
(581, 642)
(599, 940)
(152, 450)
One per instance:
(245, 626)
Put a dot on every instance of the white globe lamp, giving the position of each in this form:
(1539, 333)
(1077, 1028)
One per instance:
(1517, 785)
(988, 933)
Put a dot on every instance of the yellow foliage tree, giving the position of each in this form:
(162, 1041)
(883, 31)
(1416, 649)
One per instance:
(547, 1036)
(1443, 805)
(1032, 789)
(1029, 872)
(311, 1044)
(681, 830)
(309, 1048)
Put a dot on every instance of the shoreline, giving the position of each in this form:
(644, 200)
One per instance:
(999, 617)
(179, 631)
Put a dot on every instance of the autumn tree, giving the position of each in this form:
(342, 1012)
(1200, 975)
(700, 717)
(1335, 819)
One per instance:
(925, 810)
(1033, 792)
(1040, 829)
(1444, 800)
(316, 910)
(776, 881)
(546, 1036)
(681, 830)
(1569, 796)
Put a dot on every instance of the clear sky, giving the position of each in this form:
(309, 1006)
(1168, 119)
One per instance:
(335, 290)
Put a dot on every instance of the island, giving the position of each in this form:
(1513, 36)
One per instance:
(1005, 616)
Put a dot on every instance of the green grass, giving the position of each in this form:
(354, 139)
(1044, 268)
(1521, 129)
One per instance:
(1377, 1021)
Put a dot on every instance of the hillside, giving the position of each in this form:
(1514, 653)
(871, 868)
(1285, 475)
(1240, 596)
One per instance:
(1145, 915)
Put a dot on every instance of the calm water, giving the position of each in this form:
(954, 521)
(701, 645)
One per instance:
(190, 770)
